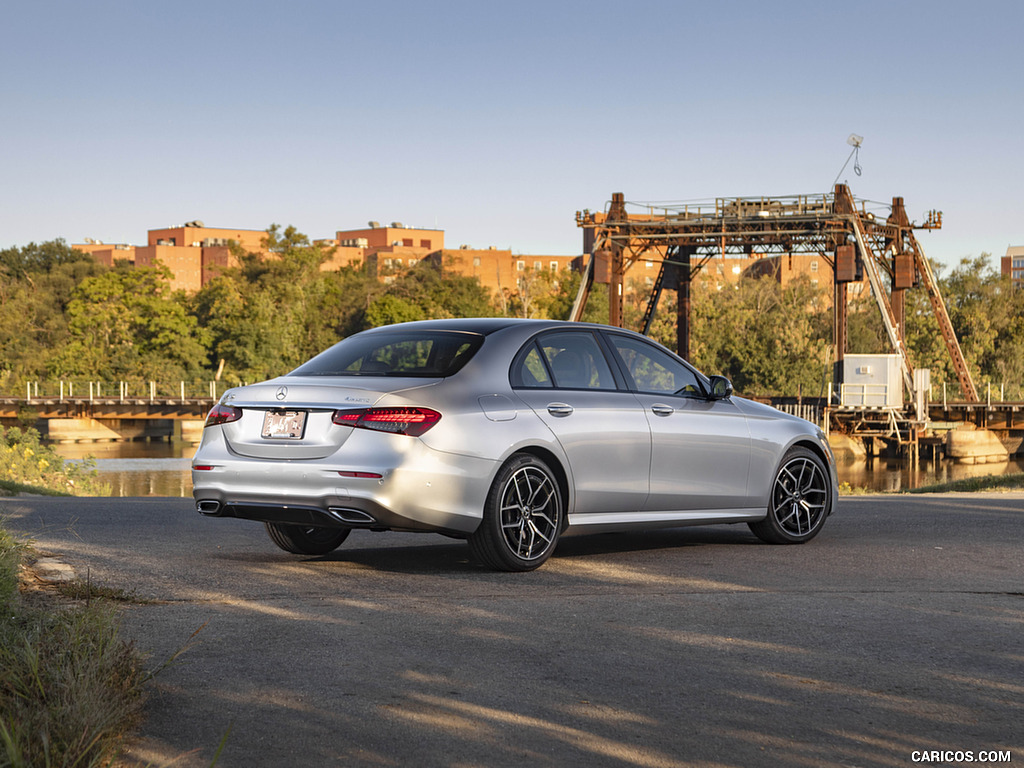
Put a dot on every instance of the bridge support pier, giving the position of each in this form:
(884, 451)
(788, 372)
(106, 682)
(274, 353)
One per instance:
(88, 430)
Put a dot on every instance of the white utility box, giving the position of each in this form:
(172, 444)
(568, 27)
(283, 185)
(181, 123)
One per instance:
(872, 381)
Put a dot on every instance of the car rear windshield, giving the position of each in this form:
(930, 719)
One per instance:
(429, 354)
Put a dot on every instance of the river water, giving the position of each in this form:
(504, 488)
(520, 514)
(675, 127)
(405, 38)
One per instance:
(162, 469)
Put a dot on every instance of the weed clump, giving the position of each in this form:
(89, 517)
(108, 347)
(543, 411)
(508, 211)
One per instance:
(71, 689)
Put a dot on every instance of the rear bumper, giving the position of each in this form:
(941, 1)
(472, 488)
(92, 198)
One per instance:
(323, 513)
(418, 488)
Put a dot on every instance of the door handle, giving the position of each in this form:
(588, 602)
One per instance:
(560, 409)
(663, 410)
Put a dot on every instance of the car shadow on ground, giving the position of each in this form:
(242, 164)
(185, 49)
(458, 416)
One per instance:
(437, 554)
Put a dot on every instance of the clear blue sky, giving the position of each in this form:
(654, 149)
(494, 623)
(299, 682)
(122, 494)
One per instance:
(498, 121)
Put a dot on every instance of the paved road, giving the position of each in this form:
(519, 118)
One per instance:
(898, 629)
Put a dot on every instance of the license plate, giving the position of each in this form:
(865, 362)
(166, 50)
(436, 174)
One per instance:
(284, 425)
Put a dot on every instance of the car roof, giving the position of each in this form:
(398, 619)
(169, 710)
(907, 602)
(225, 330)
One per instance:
(481, 325)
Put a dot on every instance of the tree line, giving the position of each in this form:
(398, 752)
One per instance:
(64, 316)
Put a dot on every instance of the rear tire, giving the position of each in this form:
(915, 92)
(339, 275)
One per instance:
(801, 499)
(523, 517)
(306, 539)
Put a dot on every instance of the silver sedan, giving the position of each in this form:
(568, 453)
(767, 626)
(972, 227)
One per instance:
(510, 434)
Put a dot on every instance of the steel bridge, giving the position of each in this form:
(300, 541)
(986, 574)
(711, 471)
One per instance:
(836, 226)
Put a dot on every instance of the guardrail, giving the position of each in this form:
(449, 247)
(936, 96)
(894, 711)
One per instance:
(123, 391)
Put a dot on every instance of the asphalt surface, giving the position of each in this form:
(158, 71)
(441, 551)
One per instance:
(897, 631)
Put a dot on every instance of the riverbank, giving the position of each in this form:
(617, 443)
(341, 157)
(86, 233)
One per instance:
(1011, 482)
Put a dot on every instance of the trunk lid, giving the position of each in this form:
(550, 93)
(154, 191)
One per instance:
(290, 417)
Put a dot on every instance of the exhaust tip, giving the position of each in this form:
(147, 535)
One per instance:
(208, 507)
(352, 516)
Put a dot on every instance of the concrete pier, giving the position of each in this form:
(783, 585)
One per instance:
(968, 445)
(89, 430)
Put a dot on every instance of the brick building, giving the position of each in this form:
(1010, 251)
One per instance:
(193, 252)
(1012, 264)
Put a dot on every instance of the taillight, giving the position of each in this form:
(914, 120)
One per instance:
(400, 421)
(222, 414)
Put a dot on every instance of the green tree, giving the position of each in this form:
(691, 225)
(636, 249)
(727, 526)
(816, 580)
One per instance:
(425, 292)
(388, 309)
(36, 286)
(987, 315)
(127, 324)
(35, 259)
(768, 338)
(271, 312)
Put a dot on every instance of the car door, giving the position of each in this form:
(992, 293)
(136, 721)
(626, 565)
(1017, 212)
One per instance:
(700, 448)
(567, 380)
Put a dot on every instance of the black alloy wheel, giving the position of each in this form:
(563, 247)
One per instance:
(801, 499)
(523, 517)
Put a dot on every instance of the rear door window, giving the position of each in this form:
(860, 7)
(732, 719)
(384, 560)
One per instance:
(576, 361)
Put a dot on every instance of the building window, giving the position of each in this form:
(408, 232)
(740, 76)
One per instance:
(476, 261)
(424, 243)
(648, 265)
(407, 242)
(553, 266)
(814, 266)
(398, 262)
(520, 266)
(538, 265)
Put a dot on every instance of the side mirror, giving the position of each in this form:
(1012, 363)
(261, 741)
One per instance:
(721, 388)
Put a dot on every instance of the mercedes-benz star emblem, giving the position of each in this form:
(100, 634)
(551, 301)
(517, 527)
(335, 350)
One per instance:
(282, 393)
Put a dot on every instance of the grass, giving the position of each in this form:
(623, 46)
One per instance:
(71, 689)
(1011, 482)
(11, 488)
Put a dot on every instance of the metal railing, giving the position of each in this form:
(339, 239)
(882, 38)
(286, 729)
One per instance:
(115, 391)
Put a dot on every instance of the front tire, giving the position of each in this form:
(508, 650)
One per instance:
(306, 539)
(801, 499)
(523, 517)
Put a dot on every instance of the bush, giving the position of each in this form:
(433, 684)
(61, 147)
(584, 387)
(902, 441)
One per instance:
(25, 460)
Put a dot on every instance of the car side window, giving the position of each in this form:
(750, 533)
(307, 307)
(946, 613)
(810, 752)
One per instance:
(529, 370)
(576, 361)
(653, 371)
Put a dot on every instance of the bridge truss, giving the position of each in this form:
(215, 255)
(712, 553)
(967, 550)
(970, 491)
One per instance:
(837, 227)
